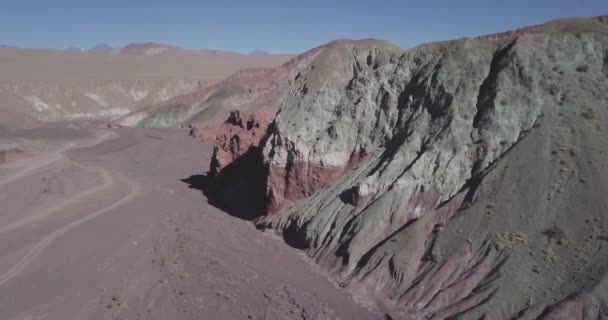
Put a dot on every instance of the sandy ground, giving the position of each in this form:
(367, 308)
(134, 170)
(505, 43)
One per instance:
(47, 85)
(109, 224)
(54, 65)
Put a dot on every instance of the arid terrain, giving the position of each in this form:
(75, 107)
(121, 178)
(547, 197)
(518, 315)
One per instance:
(459, 179)
(463, 179)
(104, 223)
(52, 85)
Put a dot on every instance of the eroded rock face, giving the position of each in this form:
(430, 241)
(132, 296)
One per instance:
(73, 100)
(430, 182)
(236, 136)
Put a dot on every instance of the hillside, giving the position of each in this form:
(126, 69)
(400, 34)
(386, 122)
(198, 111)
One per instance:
(50, 85)
(461, 179)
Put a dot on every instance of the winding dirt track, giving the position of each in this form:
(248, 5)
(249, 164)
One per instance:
(109, 223)
(134, 190)
(37, 163)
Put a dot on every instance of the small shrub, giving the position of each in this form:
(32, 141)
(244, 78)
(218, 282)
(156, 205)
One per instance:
(588, 114)
(555, 233)
(582, 68)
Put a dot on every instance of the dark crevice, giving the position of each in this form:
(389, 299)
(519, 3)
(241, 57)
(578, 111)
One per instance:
(478, 174)
(482, 302)
(548, 309)
(421, 92)
(605, 66)
(347, 230)
(293, 236)
(367, 256)
(419, 155)
(391, 148)
(481, 286)
(239, 188)
(488, 91)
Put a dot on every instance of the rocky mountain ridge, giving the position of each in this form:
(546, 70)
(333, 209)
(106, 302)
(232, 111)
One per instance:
(460, 179)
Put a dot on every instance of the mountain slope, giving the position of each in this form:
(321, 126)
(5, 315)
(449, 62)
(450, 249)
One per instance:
(249, 90)
(50, 85)
(456, 179)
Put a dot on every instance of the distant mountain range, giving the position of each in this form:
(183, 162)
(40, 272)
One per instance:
(259, 52)
(153, 49)
(102, 47)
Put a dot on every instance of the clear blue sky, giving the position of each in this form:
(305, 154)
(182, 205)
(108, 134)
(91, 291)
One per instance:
(275, 25)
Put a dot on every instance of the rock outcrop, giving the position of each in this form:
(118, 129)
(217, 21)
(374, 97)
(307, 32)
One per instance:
(236, 136)
(457, 179)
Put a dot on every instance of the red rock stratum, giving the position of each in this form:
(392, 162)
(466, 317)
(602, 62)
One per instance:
(462, 179)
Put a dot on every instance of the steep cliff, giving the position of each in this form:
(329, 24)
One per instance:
(456, 179)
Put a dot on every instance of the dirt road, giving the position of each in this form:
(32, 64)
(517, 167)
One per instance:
(108, 224)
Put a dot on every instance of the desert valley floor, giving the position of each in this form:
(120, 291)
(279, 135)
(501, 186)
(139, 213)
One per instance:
(112, 224)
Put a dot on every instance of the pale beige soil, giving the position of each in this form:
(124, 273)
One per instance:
(53, 65)
(52, 85)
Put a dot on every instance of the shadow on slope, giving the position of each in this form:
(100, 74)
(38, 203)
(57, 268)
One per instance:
(239, 189)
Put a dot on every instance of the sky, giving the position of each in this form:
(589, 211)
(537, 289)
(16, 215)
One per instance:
(278, 26)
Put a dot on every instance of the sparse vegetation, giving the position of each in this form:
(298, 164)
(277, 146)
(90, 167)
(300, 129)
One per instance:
(588, 114)
(510, 239)
(116, 301)
(556, 234)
